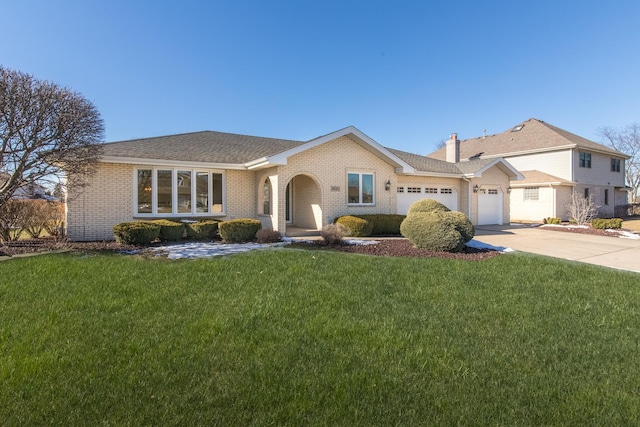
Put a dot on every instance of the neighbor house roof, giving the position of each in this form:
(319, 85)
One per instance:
(529, 136)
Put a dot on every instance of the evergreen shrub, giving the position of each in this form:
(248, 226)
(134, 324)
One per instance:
(239, 230)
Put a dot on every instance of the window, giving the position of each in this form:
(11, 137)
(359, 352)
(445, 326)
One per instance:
(586, 193)
(429, 190)
(446, 191)
(266, 197)
(615, 165)
(517, 128)
(360, 188)
(493, 191)
(585, 160)
(400, 189)
(172, 192)
(414, 190)
(531, 193)
(606, 196)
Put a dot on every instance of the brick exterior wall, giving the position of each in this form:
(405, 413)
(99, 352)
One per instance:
(319, 181)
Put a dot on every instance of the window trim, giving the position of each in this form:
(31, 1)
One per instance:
(583, 160)
(360, 194)
(174, 193)
(615, 164)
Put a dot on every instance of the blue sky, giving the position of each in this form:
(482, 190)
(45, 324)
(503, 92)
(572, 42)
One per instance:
(406, 73)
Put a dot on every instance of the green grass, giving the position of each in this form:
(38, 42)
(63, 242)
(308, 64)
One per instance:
(295, 337)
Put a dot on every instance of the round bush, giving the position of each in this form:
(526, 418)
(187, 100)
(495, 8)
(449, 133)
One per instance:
(136, 233)
(427, 205)
(202, 230)
(384, 224)
(435, 231)
(462, 224)
(239, 230)
(170, 231)
(356, 227)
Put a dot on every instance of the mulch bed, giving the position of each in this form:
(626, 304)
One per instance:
(384, 247)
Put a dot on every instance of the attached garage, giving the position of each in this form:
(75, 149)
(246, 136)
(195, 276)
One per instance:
(448, 196)
(490, 206)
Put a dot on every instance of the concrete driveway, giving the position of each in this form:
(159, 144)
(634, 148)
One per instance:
(611, 252)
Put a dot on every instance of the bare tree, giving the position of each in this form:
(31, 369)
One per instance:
(627, 141)
(581, 209)
(47, 132)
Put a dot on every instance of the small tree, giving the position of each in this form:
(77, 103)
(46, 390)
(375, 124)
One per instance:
(47, 133)
(581, 209)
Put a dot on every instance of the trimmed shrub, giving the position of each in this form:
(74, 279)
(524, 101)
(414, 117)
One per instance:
(136, 233)
(462, 224)
(332, 234)
(603, 224)
(239, 230)
(267, 235)
(552, 220)
(435, 231)
(354, 226)
(384, 224)
(427, 205)
(205, 229)
(170, 231)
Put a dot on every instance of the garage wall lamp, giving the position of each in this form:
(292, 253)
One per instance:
(475, 188)
(387, 185)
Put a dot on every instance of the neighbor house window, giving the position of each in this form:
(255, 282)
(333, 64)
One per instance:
(585, 160)
(266, 197)
(177, 192)
(606, 196)
(360, 188)
(586, 193)
(615, 165)
(531, 193)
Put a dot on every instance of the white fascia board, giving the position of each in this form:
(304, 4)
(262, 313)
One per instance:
(503, 165)
(532, 151)
(433, 174)
(362, 139)
(170, 163)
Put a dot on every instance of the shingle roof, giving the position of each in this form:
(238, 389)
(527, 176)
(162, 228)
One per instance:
(533, 135)
(206, 146)
(536, 177)
(425, 164)
(227, 148)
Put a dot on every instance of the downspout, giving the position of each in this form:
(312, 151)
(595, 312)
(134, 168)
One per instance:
(468, 197)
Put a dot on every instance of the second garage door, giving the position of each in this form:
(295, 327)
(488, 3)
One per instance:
(489, 207)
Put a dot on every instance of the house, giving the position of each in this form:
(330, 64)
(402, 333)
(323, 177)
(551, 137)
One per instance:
(286, 184)
(554, 164)
(29, 191)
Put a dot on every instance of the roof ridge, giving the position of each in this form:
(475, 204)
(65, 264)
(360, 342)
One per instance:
(202, 132)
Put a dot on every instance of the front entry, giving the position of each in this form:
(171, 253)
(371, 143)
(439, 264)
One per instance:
(303, 203)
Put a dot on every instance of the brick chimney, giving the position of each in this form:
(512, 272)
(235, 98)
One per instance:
(452, 149)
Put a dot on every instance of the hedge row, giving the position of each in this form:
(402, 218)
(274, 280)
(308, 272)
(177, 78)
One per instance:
(371, 224)
(603, 224)
(145, 232)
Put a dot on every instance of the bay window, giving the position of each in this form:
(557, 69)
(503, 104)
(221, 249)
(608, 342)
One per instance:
(177, 192)
(360, 188)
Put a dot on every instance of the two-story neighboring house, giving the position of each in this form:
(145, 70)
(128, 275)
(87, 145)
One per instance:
(554, 164)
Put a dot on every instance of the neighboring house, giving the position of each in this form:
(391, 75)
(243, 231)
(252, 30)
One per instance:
(31, 191)
(286, 184)
(554, 164)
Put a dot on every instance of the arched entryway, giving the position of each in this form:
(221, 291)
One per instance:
(303, 200)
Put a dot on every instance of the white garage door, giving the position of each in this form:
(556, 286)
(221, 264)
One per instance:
(489, 207)
(409, 194)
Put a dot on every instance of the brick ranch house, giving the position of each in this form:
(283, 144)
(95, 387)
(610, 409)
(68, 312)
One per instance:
(285, 184)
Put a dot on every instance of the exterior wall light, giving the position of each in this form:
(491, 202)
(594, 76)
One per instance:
(475, 188)
(387, 185)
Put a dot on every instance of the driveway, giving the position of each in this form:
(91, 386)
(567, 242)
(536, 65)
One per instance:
(612, 252)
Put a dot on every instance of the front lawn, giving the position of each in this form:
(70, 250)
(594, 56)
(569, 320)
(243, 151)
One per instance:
(297, 337)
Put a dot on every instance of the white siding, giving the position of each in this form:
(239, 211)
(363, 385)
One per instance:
(556, 163)
(600, 171)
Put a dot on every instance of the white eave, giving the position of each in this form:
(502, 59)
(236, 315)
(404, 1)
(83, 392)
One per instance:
(170, 163)
(501, 164)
